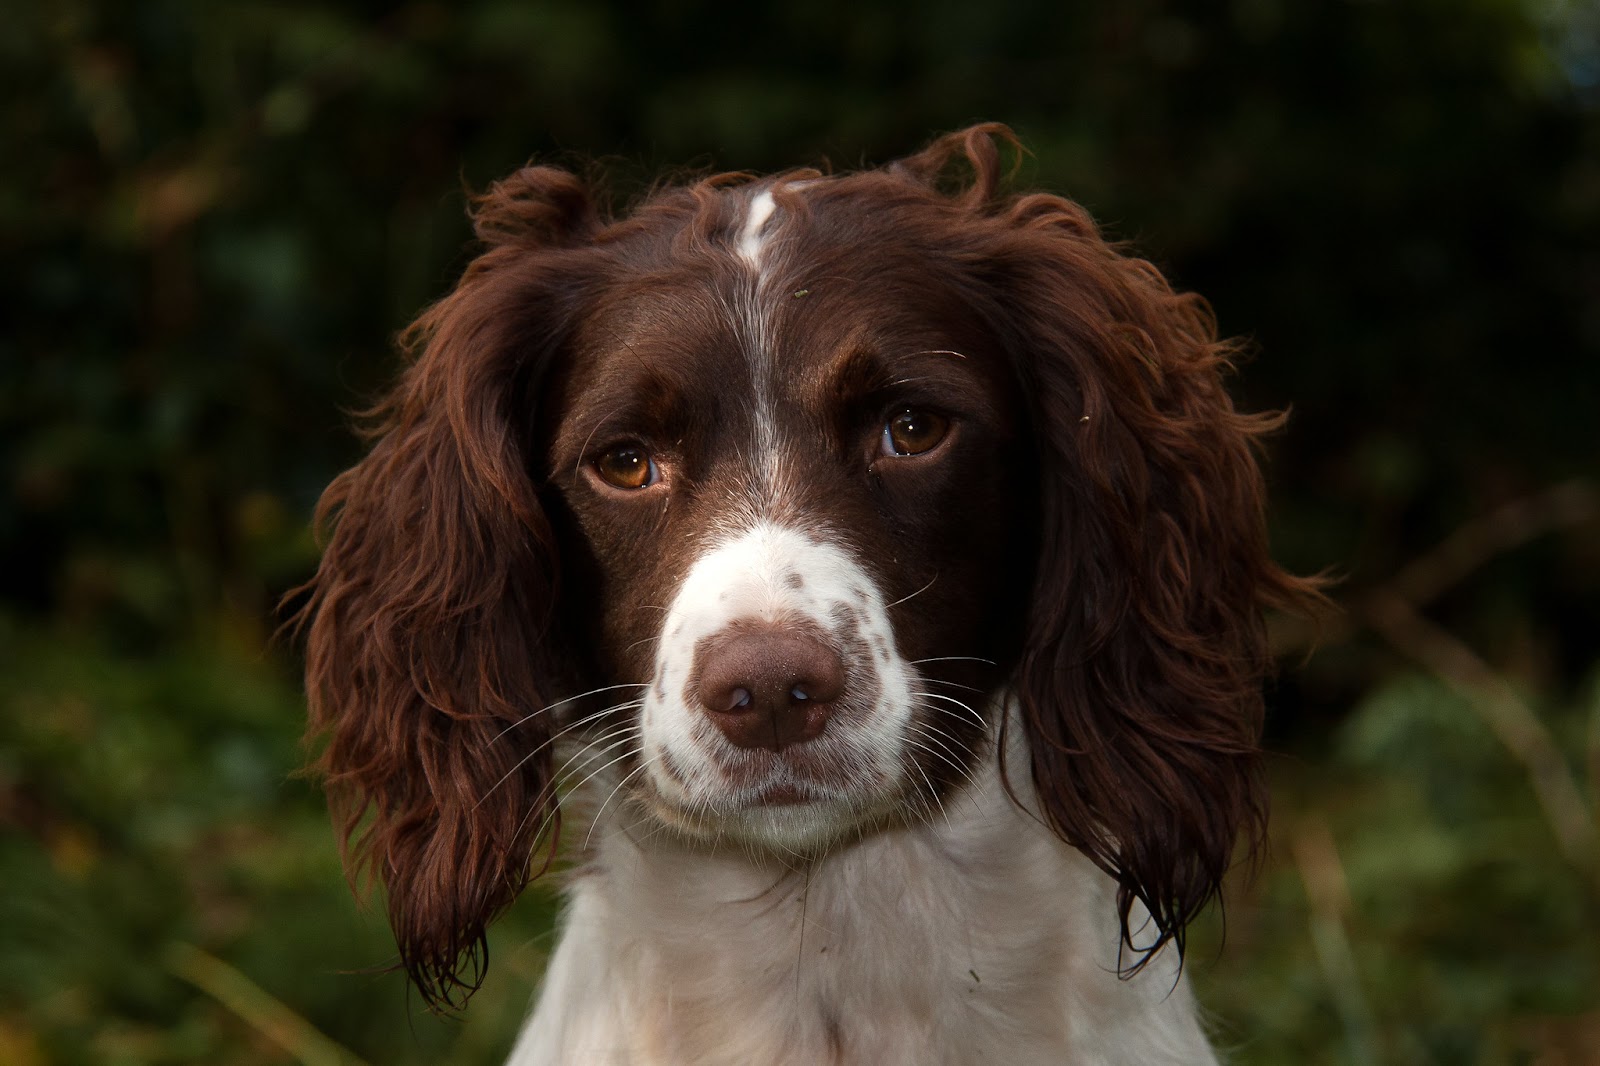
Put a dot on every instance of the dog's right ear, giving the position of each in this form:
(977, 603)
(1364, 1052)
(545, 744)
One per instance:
(431, 616)
(535, 207)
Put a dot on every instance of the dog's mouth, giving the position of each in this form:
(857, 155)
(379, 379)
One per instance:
(795, 800)
(780, 794)
(784, 784)
(766, 779)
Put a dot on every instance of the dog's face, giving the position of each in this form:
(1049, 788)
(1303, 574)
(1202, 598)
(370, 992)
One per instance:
(796, 463)
(763, 492)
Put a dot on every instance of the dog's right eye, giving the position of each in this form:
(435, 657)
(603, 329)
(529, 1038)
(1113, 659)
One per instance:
(628, 467)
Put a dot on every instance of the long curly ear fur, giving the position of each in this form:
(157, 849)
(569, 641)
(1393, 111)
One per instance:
(429, 620)
(1140, 676)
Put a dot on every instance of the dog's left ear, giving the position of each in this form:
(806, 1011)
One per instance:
(1140, 675)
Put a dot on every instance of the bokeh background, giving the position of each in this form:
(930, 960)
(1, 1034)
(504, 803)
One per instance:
(214, 217)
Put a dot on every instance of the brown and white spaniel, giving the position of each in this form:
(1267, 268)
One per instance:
(862, 574)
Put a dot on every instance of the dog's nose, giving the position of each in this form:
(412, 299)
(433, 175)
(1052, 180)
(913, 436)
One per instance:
(769, 687)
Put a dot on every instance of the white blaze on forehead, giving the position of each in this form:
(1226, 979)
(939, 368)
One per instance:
(751, 244)
(755, 310)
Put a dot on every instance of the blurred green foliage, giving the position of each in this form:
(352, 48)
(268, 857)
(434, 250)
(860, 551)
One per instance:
(214, 215)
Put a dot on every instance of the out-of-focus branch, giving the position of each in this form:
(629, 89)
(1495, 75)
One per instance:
(1393, 612)
(1424, 579)
(1594, 750)
(267, 1015)
(1570, 503)
(1317, 857)
(1511, 720)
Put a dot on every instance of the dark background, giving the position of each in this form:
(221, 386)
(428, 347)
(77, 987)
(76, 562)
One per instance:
(215, 216)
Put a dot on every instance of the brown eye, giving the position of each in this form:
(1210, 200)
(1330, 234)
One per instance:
(627, 467)
(910, 431)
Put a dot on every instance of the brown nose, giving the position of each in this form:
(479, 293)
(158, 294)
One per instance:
(769, 687)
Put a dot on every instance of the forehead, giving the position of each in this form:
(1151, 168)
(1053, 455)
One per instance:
(756, 289)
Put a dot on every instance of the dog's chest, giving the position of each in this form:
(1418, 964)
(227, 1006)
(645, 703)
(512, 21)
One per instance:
(889, 952)
(946, 944)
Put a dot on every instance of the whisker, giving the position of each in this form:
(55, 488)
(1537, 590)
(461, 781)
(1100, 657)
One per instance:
(615, 708)
(947, 755)
(952, 684)
(933, 793)
(952, 659)
(558, 703)
(962, 775)
(587, 753)
(608, 741)
(582, 452)
(590, 777)
(587, 719)
(976, 717)
(919, 592)
(626, 778)
(520, 763)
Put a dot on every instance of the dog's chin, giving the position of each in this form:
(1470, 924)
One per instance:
(783, 821)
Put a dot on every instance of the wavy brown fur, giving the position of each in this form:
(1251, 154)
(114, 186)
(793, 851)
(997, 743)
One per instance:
(1140, 678)
(434, 625)
(432, 601)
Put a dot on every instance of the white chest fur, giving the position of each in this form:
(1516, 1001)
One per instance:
(978, 938)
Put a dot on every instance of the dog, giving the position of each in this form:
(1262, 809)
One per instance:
(867, 571)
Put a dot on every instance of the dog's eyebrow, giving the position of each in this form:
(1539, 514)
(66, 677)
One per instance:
(628, 398)
(862, 369)
(858, 371)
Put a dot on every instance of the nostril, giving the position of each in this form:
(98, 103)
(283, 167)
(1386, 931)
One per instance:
(768, 687)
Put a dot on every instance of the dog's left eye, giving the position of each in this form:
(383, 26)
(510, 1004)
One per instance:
(628, 467)
(912, 431)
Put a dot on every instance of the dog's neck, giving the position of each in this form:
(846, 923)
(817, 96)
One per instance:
(977, 936)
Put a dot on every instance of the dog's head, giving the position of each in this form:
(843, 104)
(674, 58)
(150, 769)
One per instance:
(768, 490)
